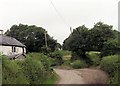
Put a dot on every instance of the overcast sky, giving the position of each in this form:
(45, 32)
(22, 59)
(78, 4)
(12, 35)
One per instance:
(74, 13)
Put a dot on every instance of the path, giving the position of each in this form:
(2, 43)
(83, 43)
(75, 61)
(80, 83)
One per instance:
(81, 76)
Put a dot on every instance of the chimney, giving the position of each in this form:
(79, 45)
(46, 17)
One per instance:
(1, 32)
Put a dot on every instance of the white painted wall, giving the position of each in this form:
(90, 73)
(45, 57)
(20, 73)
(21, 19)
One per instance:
(7, 50)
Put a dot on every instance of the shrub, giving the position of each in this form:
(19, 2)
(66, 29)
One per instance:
(35, 69)
(45, 61)
(57, 56)
(12, 73)
(114, 79)
(78, 64)
(67, 62)
(111, 47)
(94, 57)
(110, 64)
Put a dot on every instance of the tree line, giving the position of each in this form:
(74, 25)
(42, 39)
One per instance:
(33, 37)
(101, 38)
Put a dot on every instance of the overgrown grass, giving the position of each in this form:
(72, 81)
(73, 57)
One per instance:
(58, 57)
(78, 64)
(94, 57)
(52, 79)
(111, 64)
(35, 69)
(12, 73)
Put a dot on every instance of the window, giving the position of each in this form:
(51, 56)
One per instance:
(13, 49)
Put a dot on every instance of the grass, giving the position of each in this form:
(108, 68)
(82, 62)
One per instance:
(66, 57)
(52, 79)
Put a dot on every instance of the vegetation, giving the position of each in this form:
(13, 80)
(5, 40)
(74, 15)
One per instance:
(83, 40)
(111, 64)
(98, 46)
(58, 57)
(94, 57)
(35, 69)
(83, 48)
(79, 64)
(33, 37)
(12, 73)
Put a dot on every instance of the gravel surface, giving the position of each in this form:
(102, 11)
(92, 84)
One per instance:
(81, 76)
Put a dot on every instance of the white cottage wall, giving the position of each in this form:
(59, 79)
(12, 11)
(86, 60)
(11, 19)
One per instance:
(7, 50)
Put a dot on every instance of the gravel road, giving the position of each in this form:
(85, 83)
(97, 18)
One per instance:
(81, 76)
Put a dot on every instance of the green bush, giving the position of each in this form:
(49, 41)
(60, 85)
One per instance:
(111, 47)
(67, 62)
(45, 61)
(79, 64)
(94, 57)
(114, 79)
(12, 73)
(59, 53)
(110, 64)
(57, 56)
(35, 69)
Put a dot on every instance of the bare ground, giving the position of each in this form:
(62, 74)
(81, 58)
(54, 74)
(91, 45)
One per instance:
(81, 76)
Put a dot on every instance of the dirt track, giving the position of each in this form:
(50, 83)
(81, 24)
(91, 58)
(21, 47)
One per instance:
(81, 76)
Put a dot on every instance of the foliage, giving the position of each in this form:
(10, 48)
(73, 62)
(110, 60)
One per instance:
(32, 36)
(115, 78)
(57, 57)
(51, 80)
(12, 73)
(83, 39)
(35, 69)
(111, 47)
(110, 64)
(45, 50)
(79, 64)
(77, 41)
(94, 57)
(99, 34)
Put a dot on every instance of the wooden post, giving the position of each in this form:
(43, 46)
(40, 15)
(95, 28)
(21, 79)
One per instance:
(46, 39)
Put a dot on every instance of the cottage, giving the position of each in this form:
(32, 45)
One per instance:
(11, 47)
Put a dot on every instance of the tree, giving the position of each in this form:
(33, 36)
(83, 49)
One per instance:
(99, 34)
(32, 36)
(83, 39)
(112, 46)
(78, 42)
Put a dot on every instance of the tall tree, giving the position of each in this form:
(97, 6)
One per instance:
(83, 39)
(32, 36)
(99, 34)
(77, 42)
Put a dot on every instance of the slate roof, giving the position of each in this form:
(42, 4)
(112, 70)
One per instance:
(9, 41)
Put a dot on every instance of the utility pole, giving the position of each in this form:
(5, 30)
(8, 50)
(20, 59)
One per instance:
(46, 39)
(71, 29)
